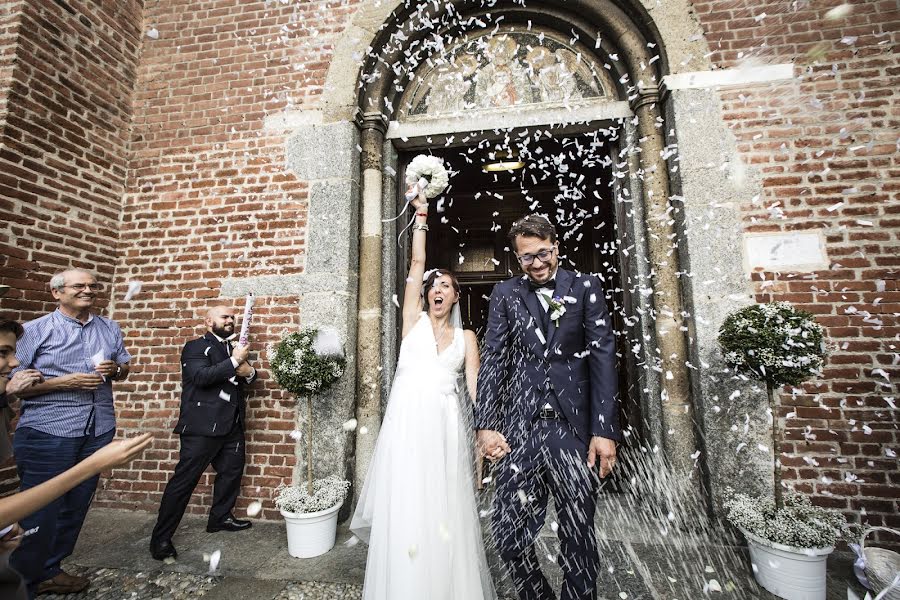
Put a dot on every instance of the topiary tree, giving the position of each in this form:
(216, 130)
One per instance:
(307, 363)
(777, 344)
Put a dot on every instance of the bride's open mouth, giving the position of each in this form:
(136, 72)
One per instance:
(438, 301)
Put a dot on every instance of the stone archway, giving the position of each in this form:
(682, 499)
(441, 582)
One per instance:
(632, 82)
(642, 44)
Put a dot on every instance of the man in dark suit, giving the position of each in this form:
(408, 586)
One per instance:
(214, 377)
(547, 397)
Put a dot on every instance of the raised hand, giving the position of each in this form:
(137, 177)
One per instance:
(419, 200)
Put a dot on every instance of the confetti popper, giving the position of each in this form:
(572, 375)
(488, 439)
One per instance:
(245, 324)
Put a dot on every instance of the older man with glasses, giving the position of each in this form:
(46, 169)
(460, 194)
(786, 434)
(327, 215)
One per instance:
(64, 419)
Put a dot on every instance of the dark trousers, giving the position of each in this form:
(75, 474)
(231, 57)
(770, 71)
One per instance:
(40, 457)
(553, 460)
(226, 455)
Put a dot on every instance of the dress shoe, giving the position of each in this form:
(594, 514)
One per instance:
(229, 523)
(63, 584)
(163, 550)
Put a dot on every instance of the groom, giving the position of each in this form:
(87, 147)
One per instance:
(548, 387)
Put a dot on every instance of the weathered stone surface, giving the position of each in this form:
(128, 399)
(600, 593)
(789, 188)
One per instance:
(716, 285)
(333, 227)
(324, 151)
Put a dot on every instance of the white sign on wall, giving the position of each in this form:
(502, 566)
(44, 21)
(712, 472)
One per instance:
(794, 251)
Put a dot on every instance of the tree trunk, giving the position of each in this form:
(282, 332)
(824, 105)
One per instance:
(309, 470)
(776, 451)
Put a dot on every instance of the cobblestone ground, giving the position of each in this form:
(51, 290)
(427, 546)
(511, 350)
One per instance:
(320, 591)
(119, 584)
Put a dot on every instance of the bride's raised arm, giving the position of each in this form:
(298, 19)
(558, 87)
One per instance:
(412, 295)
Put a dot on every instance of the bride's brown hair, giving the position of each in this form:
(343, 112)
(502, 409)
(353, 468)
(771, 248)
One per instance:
(429, 281)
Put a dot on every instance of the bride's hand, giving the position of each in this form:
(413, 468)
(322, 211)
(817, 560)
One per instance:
(492, 445)
(420, 200)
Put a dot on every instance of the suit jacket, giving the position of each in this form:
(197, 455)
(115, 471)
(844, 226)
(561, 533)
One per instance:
(213, 396)
(571, 365)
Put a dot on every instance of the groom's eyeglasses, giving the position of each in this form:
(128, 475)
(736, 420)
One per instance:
(527, 259)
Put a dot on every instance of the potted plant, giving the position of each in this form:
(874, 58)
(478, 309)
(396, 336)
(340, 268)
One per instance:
(306, 363)
(789, 538)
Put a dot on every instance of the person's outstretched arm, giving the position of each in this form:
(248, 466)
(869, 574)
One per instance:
(18, 506)
(412, 294)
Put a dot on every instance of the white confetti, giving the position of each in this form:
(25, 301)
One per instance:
(349, 425)
(254, 508)
(153, 33)
(134, 288)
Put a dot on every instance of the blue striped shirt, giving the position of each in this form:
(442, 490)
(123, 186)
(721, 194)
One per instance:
(58, 345)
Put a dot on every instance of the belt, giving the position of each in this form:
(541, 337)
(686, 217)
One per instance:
(548, 413)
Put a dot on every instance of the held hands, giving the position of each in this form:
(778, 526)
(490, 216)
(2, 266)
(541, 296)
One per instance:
(491, 444)
(605, 449)
(23, 380)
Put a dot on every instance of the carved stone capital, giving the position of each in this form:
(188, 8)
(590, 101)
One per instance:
(371, 120)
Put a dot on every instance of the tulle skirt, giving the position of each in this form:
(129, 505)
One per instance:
(417, 509)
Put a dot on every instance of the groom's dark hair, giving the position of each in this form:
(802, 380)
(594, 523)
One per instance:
(532, 226)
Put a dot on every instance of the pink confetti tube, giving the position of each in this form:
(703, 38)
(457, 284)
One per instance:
(245, 324)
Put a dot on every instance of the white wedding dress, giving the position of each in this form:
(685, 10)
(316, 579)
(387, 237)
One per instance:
(417, 508)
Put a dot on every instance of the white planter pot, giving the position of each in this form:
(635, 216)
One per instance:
(790, 573)
(311, 534)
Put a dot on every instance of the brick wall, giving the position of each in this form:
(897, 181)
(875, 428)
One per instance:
(826, 147)
(209, 198)
(66, 79)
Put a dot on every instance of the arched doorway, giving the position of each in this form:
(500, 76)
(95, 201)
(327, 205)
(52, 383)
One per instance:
(516, 54)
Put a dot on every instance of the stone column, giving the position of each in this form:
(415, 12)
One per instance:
(678, 433)
(368, 406)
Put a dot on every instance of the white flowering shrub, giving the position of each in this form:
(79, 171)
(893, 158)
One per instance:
(798, 523)
(299, 364)
(326, 493)
(773, 342)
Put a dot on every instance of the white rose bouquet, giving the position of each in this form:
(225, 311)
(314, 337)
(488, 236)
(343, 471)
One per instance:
(428, 174)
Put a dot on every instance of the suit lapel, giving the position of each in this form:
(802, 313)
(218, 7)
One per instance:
(564, 280)
(535, 310)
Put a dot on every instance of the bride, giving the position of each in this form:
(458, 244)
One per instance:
(417, 509)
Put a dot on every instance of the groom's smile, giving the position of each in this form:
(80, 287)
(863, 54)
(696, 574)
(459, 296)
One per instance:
(538, 257)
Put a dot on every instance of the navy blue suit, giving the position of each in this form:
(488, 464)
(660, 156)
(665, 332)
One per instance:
(527, 362)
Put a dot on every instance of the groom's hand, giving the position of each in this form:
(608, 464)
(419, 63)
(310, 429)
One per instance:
(605, 450)
(492, 444)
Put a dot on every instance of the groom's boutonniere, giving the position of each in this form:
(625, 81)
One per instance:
(557, 306)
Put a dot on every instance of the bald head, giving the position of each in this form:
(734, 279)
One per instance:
(220, 320)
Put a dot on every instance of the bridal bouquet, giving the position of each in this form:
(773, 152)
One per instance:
(428, 173)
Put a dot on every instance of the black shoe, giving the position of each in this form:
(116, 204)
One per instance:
(229, 523)
(162, 550)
